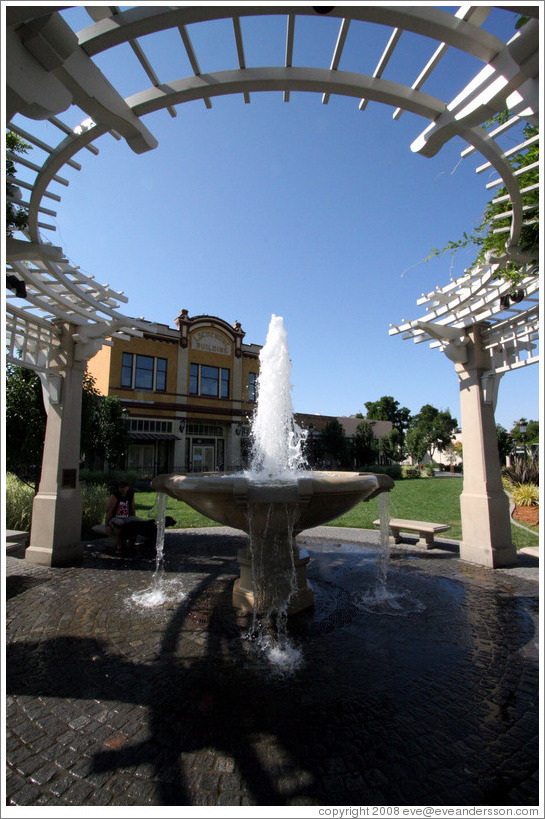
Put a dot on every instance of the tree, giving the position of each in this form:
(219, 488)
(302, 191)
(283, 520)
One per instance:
(505, 443)
(25, 422)
(16, 217)
(435, 426)
(453, 453)
(103, 429)
(416, 444)
(392, 446)
(388, 409)
(112, 438)
(334, 442)
(532, 433)
(365, 445)
(443, 430)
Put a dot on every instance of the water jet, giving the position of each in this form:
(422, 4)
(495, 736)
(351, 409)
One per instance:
(277, 498)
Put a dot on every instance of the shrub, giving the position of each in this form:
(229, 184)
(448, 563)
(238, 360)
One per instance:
(19, 497)
(427, 470)
(526, 494)
(410, 472)
(95, 500)
(393, 470)
(522, 471)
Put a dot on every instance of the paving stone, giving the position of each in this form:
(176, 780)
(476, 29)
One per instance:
(141, 792)
(101, 796)
(61, 783)
(78, 793)
(230, 782)
(209, 782)
(228, 798)
(26, 795)
(44, 774)
(439, 705)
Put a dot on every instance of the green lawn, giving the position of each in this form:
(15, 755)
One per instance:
(184, 515)
(434, 499)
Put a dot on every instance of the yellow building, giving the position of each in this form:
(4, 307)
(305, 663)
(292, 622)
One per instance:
(187, 394)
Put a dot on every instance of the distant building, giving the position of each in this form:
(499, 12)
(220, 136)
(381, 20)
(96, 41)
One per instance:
(187, 394)
(447, 458)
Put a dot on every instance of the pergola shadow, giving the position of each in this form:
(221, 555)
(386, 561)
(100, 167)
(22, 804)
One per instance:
(208, 727)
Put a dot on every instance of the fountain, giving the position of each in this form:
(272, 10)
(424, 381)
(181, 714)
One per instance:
(277, 498)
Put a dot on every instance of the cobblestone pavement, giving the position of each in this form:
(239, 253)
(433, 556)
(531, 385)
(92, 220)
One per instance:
(417, 682)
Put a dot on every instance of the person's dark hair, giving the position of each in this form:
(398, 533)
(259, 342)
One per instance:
(116, 485)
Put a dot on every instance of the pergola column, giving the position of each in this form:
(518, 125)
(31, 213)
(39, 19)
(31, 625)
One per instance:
(486, 524)
(55, 538)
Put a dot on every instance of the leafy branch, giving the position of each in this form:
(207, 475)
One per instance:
(16, 217)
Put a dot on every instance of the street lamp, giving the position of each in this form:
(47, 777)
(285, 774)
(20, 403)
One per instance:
(523, 426)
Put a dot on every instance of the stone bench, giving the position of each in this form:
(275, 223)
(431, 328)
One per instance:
(15, 537)
(426, 531)
(15, 540)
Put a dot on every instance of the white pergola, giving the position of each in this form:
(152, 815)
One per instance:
(65, 316)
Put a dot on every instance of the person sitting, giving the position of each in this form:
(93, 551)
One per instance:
(120, 511)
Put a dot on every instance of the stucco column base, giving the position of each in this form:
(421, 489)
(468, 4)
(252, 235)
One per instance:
(56, 529)
(243, 590)
(484, 506)
(487, 530)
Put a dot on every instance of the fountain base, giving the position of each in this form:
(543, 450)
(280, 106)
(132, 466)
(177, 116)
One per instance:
(243, 590)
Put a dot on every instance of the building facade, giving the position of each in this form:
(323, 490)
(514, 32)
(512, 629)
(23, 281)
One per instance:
(187, 394)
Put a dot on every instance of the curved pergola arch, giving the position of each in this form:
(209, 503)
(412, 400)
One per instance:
(67, 315)
(311, 80)
(428, 21)
(445, 118)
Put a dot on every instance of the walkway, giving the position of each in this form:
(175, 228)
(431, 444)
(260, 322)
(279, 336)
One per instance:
(425, 693)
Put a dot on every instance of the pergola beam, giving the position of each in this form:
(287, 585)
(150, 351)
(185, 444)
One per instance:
(341, 39)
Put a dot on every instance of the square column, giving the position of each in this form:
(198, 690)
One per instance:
(55, 537)
(486, 523)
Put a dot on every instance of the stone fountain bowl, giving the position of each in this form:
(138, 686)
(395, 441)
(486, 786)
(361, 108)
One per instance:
(319, 496)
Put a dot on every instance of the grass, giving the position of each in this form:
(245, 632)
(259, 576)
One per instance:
(184, 515)
(434, 499)
(437, 500)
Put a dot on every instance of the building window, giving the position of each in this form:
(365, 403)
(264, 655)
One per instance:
(126, 370)
(252, 377)
(224, 383)
(209, 381)
(143, 376)
(194, 379)
(146, 373)
(161, 375)
(146, 425)
(205, 430)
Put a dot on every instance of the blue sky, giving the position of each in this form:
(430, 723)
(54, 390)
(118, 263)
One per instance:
(319, 213)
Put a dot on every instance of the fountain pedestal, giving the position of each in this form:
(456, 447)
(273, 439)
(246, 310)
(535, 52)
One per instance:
(243, 590)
